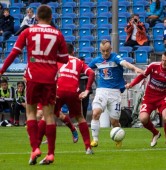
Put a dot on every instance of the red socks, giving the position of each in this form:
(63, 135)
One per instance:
(32, 129)
(151, 128)
(84, 130)
(41, 130)
(51, 137)
(68, 123)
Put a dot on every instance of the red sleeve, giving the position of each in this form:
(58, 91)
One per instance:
(137, 80)
(91, 76)
(13, 54)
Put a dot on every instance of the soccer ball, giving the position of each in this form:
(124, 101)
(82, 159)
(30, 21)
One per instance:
(117, 134)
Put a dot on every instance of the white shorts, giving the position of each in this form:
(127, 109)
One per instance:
(110, 99)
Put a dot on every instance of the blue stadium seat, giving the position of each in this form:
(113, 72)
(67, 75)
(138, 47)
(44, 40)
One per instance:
(142, 54)
(141, 57)
(84, 32)
(123, 6)
(15, 10)
(103, 20)
(87, 37)
(158, 30)
(104, 6)
(70, 38)
(84, 43)
(84, 9)
(67, 31)
(158, 45)
(125, 51)
(90, 26)
(122, 40)
(121, 30)
(107, 37)
(84, 54)
(11, 41)
(68, 7)
(84, 20)
(102, 32)
(123, 17)
(34, 5)
(68, 19)
(54, 6)
(138, 8)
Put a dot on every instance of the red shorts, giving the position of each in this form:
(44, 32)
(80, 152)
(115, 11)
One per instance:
(72, 101)
(153, 103)
(40, 93)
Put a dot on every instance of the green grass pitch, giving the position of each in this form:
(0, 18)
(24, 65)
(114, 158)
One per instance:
(135, 154)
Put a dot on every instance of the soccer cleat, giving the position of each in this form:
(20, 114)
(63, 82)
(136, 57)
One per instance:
(34, 156)
(118, 144)
(154, 139)
(75, 136)
(47, 160)
(94, 143)
(89, 151)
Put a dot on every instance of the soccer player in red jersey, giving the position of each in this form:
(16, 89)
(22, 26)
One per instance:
(154, 97)
(68, 92)
(46, 46)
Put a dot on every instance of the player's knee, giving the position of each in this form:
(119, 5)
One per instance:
(144, 118)
(96, 114)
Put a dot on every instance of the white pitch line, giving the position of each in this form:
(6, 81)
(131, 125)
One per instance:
(96, 151)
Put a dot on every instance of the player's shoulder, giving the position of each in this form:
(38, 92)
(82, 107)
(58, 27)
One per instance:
(154, 64)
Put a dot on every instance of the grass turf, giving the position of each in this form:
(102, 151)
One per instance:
(135, 154)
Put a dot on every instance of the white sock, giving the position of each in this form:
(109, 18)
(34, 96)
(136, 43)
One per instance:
(95, 126)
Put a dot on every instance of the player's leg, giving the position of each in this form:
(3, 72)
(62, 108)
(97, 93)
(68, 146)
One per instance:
(48, 97)
(75, 110)
(145, 112)
(32, 126)
(66, 120)
(114, 110)
(32, 129)
(98, 106)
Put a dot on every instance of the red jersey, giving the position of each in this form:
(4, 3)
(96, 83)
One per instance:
(45, 46)
(69, 75)
(157, 81)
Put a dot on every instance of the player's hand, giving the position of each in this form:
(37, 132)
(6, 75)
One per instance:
(83, 94)
(128, 86)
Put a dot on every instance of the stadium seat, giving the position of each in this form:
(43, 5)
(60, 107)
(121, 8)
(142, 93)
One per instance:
(84, 9)
(122, 40)
(158, 30)
(158, 45)
(84, 20)
(125, 51)
(142, 54)
(102, 32)
(84, 32)
(15, 10)
(11, 41)
(104, 18)
(121, 30)
(87, 37)
(84, 43)
(107, 37)
(70, 39)
(54, 6)
(4, 4)
(104, 7)
(68, 19)
(84, 54)
(123, 6)
(67, 31)
(68, 7)
(123, 17)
